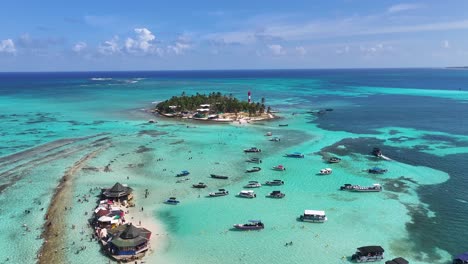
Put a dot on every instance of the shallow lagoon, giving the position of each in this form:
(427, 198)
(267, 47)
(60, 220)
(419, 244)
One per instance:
(198, 230)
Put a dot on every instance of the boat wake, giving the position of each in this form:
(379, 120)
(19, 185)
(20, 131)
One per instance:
(385, 157)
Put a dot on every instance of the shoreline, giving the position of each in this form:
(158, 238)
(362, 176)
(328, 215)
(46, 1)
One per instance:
(240, 119)
(54, 230)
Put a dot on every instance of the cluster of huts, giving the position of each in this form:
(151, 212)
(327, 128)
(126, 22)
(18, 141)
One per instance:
(120, 238)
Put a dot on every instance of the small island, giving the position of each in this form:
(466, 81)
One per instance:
(214, 107)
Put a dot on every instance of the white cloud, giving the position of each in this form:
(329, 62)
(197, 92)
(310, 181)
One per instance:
(7, 46)
(142, 43)
(403, 7)
(276, 49)
(178, 48)
(446, 44)
(375, 49)
(79, 46)
(301, 50)
(110, 47)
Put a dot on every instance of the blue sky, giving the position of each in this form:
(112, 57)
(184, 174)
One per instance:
(85, 35)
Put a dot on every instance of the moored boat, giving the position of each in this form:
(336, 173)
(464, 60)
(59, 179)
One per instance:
(254, 169)
(172, 200)
(368, 254)
(325, 171)
(377, 152)
(283, 125)
(183, 173)
(253, 184)
(252, 150)
(220, 192)
(399, 260)
(377, 170)
(276, 194)
(219, 176)
(247, 194)
(274, 183)
(199, 185)
(268, 134)
(334, 160)
(252, 225)
(276, 139)
(254, 160)
(279, 168)
(358, 188)
(314, 216)
(295, 155)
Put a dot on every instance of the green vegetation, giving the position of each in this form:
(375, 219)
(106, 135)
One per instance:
(218, 102)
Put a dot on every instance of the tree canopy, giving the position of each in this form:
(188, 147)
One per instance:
(218, 102)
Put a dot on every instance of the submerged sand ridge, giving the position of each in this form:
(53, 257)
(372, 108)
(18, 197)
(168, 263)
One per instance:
(55, 225)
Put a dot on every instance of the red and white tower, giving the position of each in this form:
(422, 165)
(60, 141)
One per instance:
(249, 96)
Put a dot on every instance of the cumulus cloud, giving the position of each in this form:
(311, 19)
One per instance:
(144, 42)
(403, 7)
(178, 48)
(276, 49)
(7, 46)
(110, 47)
(301, 50)
(375, 49)
(79, 46)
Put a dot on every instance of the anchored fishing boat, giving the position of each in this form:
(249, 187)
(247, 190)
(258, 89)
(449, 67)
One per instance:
(219, 176)
(334, 160)
(172, 200)
(276, 194)
(253, 184)
(279, 168)
(220, 192)
(247, 194)
(252, 150)
(183, 173)
(377, 170)
(325, 171)
(254, 160)
(252, 225)
(295, 155)
(254, 169)
(274, 183)
(199, 185)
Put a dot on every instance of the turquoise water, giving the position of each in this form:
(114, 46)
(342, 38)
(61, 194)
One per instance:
(51, 121)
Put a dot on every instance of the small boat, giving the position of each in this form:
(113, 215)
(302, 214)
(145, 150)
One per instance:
(151, 121)
(252, 150)
(275, 139)
(219, 176)
(401, 260)
(183, 173)
(295, 155)
(252, 225)
(368, 254)
(334, 160)
(253, 184)
(254, 169)
(357, 188)
(325, 171)
(220, 192)
(279, 168)
(377, 152)
(377, 170)
(276, 194)
(247, 194)
(199, 185)
(313, 216)
(461, 259)
(172, 200)
(254, 160)
(274, 183)
(268, 134)
(283, 125)
(182, 180)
